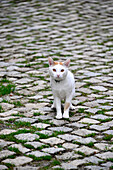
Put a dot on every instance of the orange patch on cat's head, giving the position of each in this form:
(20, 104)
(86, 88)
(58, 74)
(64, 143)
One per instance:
(56, 63)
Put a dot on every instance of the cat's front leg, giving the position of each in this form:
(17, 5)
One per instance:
(67, 106)
(66, 109)
(58, 108)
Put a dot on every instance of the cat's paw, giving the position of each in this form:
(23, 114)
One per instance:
(66, 116)
(58, 116)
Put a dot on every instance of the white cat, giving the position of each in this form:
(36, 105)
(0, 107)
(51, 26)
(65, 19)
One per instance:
(63, 86)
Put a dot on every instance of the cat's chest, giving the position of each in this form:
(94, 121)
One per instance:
(60, 92)
(60, 89)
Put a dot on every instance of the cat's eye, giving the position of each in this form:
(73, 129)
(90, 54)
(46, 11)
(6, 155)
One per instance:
(62, 70)
(54, 70)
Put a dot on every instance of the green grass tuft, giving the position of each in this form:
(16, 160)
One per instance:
(1, 109)
(18, 104)
(91, 135)
(107, 137)
(80, 153)
(48, 157)
(55, 162)
(6, 89)
(14, 150)
(19, 124)
(90, 144)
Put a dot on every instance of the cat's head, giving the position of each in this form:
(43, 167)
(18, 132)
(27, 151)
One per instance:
(58, 70)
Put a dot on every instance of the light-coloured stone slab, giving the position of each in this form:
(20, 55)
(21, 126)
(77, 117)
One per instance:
(27, 137)
(100, 116)
(77, 125)
(24, 81)
(6, 153)
(53, 150)
(20, 160)
(85, 140)
(68, 137)
(109, 132)
(105, 155)
(3, 167)
(88, 120)
(83, 132)
(7, 118)
(7, 106)
(86, 150)
(41, 125)
(92, 159)
(108, 124)
(52, 141)
(26, 167)
(95, 167)
(4, 143)
(30, 120)
(109, 113)
(70, 146)
(68, 156)
(31, 106)
(107, 164)
(7, 131)
(100, 88)
(72, 164)
(45, 132)
(35, 144)
(99, 127)
(38, 154)
(103, 146)
(61, 129)
(8, 113)
(20, 148)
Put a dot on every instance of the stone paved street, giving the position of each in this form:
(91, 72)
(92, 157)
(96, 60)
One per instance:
(30, 136)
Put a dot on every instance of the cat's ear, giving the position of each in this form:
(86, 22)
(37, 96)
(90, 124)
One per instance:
(50, 60)
(67, 63)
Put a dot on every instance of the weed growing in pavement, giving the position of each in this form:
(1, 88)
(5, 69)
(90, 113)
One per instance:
(107, 137)
(19, 124)
(91, 135)
(47, 157)
(42, 136)
(9, 165)
(55, 162)
(18, 104)
(15, 150)
(105, 120)
(90, 144)
(81, 110)
(6, 87)
(37, 114)
(56, 133)
(1, 109)
(110, 159)
(10, 137)
(80, 153)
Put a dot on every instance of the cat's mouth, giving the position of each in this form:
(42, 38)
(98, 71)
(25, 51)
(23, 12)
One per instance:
(58, 79)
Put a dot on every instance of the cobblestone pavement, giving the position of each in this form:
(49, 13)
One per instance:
(30, 136)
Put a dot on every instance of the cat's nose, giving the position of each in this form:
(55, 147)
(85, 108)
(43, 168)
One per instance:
(58, 75)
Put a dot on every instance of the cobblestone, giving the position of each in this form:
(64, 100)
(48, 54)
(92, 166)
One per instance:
(18, 161)
(30, 136)
(5, 153)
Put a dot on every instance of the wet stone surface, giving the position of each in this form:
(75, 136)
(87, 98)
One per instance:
(30, 135)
